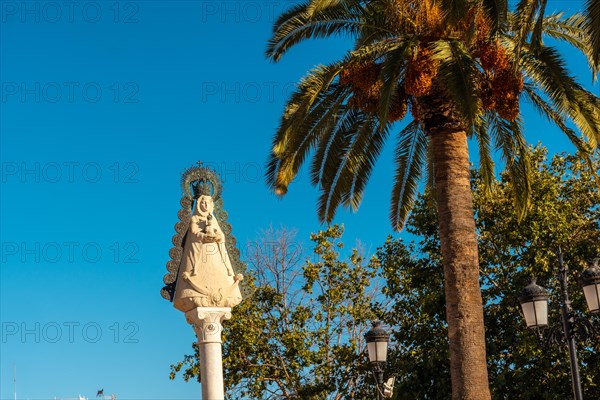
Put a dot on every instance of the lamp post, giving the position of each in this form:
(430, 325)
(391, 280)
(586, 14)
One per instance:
(377, 344)
(590, 280)
(534, 302)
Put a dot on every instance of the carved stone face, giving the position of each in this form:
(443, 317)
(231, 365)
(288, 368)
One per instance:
(205, 203)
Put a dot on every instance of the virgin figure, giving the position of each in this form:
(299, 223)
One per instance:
(206, 278)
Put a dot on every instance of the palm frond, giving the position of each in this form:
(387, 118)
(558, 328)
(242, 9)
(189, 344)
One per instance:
(315, 129)
(572, 30)
(525, 21)
(290, 13)
(331, 142)
(486, 163)
(547, 70)
(454, 10)
(347, 167)
(312, 89)
(497, 12)
(536, 34)
(592, 8)
(552, 115)
(377, 25)
(410, 155)
(375, 51)
(312, 107)
(508, 137)
(458, 71)
(302, 24)
(316, 6)
(361, 158)
(394, 66)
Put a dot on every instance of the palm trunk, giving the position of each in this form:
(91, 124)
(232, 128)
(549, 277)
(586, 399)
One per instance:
(458, 236)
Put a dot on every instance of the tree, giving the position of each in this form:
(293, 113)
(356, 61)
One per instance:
(299, 335)
(461, 67)
(565, 211)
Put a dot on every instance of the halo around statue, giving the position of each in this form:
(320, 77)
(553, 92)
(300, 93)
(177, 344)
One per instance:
(199, 180)
(195, 182)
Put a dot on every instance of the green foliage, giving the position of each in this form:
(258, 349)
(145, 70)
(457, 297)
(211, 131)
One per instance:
(564, 211)
(300, 334)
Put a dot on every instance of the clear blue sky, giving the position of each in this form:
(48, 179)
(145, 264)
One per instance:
(103, 105)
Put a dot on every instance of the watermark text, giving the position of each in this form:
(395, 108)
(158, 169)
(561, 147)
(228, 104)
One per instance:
(69, 172)
(70, 252)
(53, 12)
(70, 92)
(69, 332)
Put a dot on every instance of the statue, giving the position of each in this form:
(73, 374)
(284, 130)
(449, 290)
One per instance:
(201, 280)
(203, 259)
(206, 277)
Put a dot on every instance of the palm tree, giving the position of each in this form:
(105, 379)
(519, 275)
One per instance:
(461, 67)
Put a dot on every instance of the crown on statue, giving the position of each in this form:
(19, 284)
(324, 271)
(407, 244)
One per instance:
(202, 188)
(199, 181)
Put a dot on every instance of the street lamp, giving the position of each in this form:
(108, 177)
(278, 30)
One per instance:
(534, 302)
(590, 281)
(377, 344)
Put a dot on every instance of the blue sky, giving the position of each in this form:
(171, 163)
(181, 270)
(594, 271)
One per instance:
(103, 105)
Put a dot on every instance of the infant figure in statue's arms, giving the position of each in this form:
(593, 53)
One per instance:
(211, 233)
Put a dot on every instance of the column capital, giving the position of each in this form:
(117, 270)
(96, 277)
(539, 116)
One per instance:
(207, 322)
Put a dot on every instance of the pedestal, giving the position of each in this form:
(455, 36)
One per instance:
(207, 325)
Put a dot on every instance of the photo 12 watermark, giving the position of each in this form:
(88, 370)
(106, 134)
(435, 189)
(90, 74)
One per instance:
(240, 171)
(292, 252)
(69, 252)
(71, 12)
(69, 332)
(69, 172)
(243, 11)
(90, 92)
(246, 92)
(237, 172)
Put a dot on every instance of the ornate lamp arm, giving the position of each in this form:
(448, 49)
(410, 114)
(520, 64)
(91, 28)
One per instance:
(568, 321)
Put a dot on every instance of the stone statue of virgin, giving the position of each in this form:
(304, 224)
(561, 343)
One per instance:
(206, 277)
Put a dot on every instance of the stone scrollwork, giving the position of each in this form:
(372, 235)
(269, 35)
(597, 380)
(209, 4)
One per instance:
(207, 323)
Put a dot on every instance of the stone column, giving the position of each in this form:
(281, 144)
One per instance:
(207, 325)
